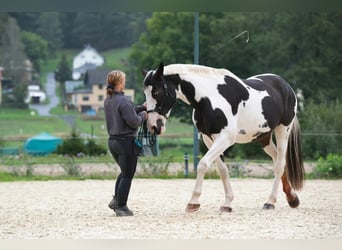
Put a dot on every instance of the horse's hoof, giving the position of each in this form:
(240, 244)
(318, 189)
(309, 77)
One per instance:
(268, 206)
(225, 209)
(190, 208)
(294, 203)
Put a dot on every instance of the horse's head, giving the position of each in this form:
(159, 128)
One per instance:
(160, 99)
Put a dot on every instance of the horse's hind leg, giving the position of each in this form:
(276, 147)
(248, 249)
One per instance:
(270, 148)
(291, 196)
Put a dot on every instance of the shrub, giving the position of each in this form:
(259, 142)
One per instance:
(93, 149)
(75, 146)
(71, 146)
(330, 167)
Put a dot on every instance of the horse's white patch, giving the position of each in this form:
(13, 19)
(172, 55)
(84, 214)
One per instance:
(150, 101)
(254, 78)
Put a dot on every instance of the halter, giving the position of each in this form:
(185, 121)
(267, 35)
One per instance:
(160, 108)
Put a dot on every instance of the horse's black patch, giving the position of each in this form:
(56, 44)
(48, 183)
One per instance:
(280, 93)
(233, 92)
(208, 120)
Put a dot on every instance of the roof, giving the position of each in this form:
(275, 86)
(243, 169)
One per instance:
(87, 59)
(77, 72)
(70, 86)
(88, 55)
(96, 76)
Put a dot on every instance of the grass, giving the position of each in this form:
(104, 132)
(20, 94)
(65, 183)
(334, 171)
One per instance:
(116, 58)
(21, 123)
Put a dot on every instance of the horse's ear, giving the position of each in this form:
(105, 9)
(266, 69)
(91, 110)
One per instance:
(160, 70)
(144, 72)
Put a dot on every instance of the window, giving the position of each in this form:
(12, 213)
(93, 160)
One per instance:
(85, 98)
(100, 97)
(100, 86)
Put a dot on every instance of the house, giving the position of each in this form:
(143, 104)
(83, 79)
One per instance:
(86, 60)
(35, 95)
(71, 87)
(93, 93)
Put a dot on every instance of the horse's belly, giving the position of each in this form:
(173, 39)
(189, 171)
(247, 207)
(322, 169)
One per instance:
(249, 131)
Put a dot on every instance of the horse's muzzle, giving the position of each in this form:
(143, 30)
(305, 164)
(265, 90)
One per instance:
(156, 130)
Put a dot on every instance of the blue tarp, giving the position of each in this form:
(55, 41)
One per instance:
(42, 144)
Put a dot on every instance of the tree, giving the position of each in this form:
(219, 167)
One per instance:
(63, 73)
(36, 48)
(169, 38)
(12, 59)
(49, 28)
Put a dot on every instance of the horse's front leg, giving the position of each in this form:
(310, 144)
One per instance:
(194, 203)
(228, 192)
(217, 147)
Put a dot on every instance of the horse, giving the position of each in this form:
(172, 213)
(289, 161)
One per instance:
(229, 110)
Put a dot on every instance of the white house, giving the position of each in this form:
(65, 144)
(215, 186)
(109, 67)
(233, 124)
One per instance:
(88, 59)
(35, 95)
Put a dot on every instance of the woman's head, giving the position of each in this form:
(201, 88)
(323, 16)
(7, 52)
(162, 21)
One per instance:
(116, 81)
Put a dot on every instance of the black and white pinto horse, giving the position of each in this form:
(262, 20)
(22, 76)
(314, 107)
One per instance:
(228, 110)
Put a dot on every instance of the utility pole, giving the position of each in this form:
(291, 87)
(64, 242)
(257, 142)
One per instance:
(196, 61)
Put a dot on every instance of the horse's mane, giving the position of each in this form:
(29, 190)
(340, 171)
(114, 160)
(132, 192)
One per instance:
(189, 69)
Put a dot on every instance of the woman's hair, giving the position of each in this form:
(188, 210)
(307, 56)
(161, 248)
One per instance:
(113, 78)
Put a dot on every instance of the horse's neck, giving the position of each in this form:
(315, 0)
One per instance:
(202, 78)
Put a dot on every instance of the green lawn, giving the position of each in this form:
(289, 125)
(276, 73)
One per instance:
(17, 122)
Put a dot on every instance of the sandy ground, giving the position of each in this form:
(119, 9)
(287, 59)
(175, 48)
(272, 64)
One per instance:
(78, 210)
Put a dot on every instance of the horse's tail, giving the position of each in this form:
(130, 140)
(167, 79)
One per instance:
(294, 161)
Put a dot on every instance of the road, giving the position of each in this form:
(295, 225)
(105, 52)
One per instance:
(44, 109)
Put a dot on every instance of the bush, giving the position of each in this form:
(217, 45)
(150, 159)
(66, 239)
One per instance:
(72, 146)
(75, 146)
(321, 127)
(92, 149)
(330, 167)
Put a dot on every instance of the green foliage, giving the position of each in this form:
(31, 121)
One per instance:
(329, 167)
(76, 146)
(16, 99)
(49, 28)
(36, 48)
(93, 149)
(321, 125)
(63, 71)
(284, 43)
(72, 146)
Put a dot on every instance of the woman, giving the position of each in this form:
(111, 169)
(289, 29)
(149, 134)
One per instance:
(123, 120)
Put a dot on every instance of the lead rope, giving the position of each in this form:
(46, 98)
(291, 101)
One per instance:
(144, 133)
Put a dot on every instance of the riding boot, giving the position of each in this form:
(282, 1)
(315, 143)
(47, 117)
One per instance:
(113, 204)
(123, 211)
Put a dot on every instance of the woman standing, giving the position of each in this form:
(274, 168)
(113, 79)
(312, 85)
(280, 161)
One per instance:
(123, 120)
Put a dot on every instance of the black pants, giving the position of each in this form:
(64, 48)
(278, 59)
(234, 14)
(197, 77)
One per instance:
(122, 150)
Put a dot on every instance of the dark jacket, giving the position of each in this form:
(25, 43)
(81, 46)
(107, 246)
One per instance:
(122, 117)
